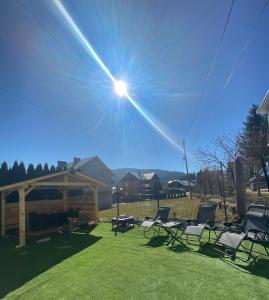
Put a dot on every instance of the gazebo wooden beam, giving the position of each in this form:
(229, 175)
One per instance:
(59, 189)
(22, 216)
(3, 214)
(29, 190)
(60, 184)
(46, 182)
(96, 200)
(65, 194)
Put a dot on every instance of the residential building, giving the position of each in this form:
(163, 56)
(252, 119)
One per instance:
(264, 109)
(97, 169)
(138, 185)
(180, 183)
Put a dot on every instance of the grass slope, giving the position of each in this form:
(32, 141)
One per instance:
(101, 266)
(180, 208)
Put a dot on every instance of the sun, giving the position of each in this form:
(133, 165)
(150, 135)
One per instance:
(120, 88)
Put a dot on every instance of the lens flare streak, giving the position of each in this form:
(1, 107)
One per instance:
(84, 42)
(153, 124)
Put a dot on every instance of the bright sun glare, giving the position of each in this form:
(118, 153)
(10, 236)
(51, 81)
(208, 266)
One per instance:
(120, 88)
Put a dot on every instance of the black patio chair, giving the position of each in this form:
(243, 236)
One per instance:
(205, 220)
(255, 230)
(238, 225)
(161, 217)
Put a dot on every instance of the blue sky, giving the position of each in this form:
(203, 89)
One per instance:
(56, 102)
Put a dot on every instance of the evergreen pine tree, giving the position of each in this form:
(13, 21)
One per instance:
(46, 169)
(14, 172)
(21, 172)
(253, 139)
(39, 170)
(52, 169)
(4, 174)
(30, 171)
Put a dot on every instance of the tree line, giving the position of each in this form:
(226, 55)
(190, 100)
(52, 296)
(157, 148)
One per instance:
(250, 143)
(18, 172)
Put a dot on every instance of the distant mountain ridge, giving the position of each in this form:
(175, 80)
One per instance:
(164, 175)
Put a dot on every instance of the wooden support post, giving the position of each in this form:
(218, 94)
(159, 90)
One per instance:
(65, 195)
(65, 199)
(265, 171)
(239, 188)
(223, 192)
(95, 200)
(3, 213)
(22, 216)
(187, 170)
(118, 208)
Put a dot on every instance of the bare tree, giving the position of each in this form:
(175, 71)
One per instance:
(224, 150)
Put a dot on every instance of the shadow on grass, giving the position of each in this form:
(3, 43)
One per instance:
(19, 266)
(180, 247)
(257, 265)
(156, 241)
(121, 229)
(210, 250)
(159, 241)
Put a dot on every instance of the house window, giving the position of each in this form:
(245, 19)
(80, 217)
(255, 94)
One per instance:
(102, 171)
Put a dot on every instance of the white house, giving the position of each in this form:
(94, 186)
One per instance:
(264, 106)
(264, 110)
(97, 169)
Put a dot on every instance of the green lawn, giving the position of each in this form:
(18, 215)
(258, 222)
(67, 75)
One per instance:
(180, 207)
(98, 265)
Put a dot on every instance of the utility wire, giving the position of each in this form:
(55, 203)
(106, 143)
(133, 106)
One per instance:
(211, 68)
(237, 62)
(29, 102)
(246, 43)
(24, 99)
(62, 47)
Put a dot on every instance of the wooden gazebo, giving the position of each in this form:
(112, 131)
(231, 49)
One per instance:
(63, 181)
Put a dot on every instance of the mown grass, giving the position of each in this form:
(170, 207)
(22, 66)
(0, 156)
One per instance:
(253, 197)
(98, 265)
(185, 208)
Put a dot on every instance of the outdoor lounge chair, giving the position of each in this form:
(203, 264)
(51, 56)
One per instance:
(255, 230)
(205, 220)
(238, 225)
(172, 229)
(161, 217)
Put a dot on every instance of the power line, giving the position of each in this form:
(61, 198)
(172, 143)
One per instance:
(72, 60)
(25, 100)
(211, 68)
(237, 62)
(246, 43)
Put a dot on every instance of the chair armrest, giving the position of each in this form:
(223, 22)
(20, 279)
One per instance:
(210, 223)
(228, 224)
(256, 231)
(237, 221)
(233, 227)
(189, 221)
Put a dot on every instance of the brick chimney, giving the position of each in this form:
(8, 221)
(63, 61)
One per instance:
(75, 160)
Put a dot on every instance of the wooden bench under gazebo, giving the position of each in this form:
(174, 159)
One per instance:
(63, 181)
